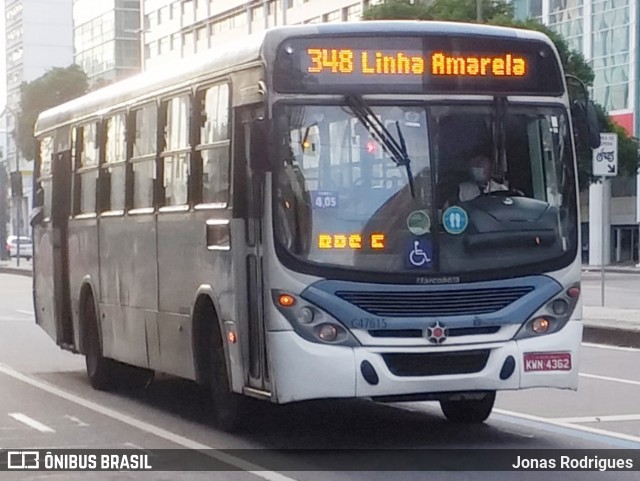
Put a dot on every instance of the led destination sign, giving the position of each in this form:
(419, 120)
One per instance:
(506, 65)
(347, 61)
(416, 65)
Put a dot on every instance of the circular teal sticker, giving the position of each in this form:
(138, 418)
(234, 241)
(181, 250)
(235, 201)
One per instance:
(419, 222)
(455, 220)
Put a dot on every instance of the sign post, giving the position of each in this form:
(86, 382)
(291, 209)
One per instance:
(605, 164)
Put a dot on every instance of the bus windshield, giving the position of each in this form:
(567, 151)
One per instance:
(493, 187)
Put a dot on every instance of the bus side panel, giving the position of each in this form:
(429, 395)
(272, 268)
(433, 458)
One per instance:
(117, 284)
(43, 278)
(181, 241)
(187, 265)
(140, 278)
(83, 265)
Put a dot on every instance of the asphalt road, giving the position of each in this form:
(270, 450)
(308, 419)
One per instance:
(46, 402)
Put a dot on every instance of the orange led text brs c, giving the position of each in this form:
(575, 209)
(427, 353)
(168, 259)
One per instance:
(350, 241)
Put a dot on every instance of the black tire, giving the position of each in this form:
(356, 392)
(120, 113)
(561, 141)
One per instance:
(470, 411)
(229, 410)
(102, 372)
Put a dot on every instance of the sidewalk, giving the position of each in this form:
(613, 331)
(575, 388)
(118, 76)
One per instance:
(615, 268)
(11, 267)
(608, 325)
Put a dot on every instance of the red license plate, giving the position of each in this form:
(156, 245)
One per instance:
(547, 361)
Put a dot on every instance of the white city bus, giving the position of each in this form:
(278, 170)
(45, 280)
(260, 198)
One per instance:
(283, 218)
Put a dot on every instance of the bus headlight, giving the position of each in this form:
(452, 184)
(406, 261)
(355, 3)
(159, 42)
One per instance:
(327, 332)
(305, 315)
(553, 316)
(311, 322)
(540, 325)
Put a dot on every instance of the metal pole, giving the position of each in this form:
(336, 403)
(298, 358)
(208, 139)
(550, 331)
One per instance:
(602, 250)
(17, 200)
(479, 10)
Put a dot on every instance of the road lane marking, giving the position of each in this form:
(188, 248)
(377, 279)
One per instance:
(32, 423)
(575, 427)
(613, 348)
(146, 427)
(600, 419)
(77, 421)
(612, 379)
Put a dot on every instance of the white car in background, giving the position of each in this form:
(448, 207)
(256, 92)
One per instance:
(26, 247)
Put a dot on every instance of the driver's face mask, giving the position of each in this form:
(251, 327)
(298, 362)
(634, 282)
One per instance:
(479, 174)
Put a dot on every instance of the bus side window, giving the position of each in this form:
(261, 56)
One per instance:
(215, 144)
(176, 155)
(44, 176)
(115, 157)
(76, 149)
(145, 126)
(88, 167)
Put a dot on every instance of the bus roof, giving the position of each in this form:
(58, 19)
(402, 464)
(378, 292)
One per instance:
(252, 49)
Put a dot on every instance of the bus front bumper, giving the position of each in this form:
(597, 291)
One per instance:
(303, 370)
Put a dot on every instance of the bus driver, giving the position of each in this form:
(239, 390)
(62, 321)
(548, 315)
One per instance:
(480, 182)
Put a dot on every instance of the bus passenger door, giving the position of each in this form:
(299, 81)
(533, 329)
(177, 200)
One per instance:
(51, 253)
(258, 359)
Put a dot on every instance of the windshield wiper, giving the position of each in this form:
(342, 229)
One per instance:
(396, 150)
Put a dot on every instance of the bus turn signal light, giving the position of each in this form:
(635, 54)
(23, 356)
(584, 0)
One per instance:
(286, 300)
(232, 337)
(574, 292)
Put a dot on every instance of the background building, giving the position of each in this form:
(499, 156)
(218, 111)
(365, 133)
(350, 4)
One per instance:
(39, 36)
(106, 37)
(607, 33)
(180, 28)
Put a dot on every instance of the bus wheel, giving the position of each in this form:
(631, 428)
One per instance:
(228, 407)
(102, 372)
(469, 410)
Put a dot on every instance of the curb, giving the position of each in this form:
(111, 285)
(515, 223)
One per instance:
(611, 336)
(611, 271)
(16, 271)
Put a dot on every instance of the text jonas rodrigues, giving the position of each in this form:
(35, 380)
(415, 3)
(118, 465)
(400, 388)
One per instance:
(568, 462)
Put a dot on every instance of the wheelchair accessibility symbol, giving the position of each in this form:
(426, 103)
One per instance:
(419, 253)
(455, 220)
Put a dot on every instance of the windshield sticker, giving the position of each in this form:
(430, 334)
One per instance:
(419, 254)
(419, 222)
(455, 220)
(324, 199)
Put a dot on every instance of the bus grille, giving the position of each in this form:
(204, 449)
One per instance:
(453, 332)
(436, 364)
(435, 303)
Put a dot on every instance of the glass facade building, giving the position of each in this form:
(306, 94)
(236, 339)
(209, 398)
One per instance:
(606, 32)
(38, 37)
(106, 38)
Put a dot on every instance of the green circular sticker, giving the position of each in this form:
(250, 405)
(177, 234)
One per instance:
(419, 222)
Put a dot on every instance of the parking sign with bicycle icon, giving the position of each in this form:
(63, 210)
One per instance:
(605, 157)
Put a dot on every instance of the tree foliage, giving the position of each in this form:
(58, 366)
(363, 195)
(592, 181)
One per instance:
(500, 12)
(57, 86)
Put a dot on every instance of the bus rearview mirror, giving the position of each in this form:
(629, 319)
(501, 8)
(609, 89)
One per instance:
(593, 124)
(586, 123)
